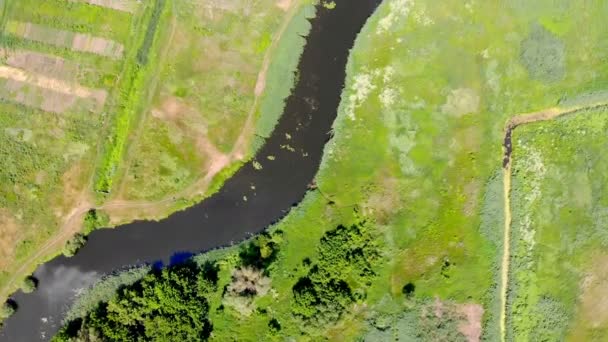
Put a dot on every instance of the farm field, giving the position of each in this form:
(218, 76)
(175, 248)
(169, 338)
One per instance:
(403, 237)
(134, 109)
(558, 229)
(57, 86)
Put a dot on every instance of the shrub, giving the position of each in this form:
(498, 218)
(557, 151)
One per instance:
(165, 305)
(74, 244)
(262, 251)
(247, 282)
(8, 309)
(408, 290)
(274, 325)
(29, 284)
(347, 255)
(95, 220)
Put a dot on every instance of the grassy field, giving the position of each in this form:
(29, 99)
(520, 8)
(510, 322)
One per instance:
(559, 249)
(135, 108)
(201, 118)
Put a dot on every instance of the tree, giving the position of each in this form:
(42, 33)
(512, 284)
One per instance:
(29, 284)
(74, 244)
(8, 309)
(247, 282)
(166, 305)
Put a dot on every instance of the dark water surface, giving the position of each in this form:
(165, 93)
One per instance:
(297, 143)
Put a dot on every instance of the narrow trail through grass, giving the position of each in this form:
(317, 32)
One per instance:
(512, 123)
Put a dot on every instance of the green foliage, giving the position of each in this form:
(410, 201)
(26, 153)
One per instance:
(247, 283)
(347, 256)
(262, 250)
(95, 219)
(543, 55)
(7, 309)
(103, 291)
(29, 284)
(74, 244)
(167, 305)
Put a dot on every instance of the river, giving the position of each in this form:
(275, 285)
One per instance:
(226, 217)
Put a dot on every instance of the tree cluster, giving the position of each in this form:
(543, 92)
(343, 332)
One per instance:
(347, 256)
(166, 305)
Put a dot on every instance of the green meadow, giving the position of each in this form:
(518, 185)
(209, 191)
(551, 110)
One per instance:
(559, 230)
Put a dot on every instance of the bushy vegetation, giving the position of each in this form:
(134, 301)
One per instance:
(74, 244)
(345, 268)
(165, 305)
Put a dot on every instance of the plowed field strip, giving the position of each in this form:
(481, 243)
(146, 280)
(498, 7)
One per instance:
(119, 5)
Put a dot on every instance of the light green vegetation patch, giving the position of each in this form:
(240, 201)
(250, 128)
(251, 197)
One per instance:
(559, 238)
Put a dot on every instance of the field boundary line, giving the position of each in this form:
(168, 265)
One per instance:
(512, 123)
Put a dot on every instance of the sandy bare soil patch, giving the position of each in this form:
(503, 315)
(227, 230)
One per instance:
(45, 99)
(40, 63)
(284, 4)
(461, 101)
(76, 41)
(119, 5)
(593, 300)
(53, 84)
(471, 326)
(9, 233)
(214, 8)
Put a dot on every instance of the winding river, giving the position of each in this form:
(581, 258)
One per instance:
(224, 218)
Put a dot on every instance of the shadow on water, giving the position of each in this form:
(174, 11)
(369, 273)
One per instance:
(224, 218)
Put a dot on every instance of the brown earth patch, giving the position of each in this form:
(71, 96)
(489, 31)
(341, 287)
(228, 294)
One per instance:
(45, 99)
(471, 326)
(385, 201)
(53, 84)
(76, 41)
(593, 307)
(48, 94)
(284, 4)
(468, 316)
(100, 46)
(471, 196)
(119, 5)
(40, 63)
(9, 235)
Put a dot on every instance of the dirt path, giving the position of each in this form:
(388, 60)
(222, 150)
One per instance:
(510, 126)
